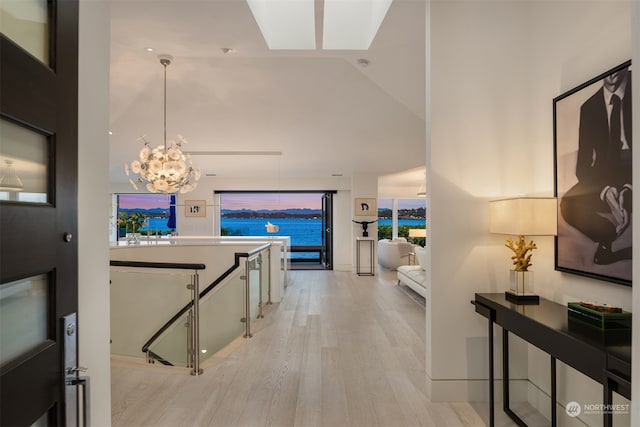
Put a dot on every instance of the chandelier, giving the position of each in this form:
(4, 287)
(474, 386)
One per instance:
(165, 168)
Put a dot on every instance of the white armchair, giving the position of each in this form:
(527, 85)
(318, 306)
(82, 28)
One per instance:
(394, 253)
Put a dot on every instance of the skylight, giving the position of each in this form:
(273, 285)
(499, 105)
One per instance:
(285, 24)
(347, 24)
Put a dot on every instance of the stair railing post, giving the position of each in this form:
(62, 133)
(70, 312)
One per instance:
(189, 327)
(247, 300)
(269, 276)
(259, 262)
(195, 329)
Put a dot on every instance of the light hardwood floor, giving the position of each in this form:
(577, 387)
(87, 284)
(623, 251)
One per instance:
(339, 350)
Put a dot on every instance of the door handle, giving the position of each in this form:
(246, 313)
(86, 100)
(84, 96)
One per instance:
(83, 382)
(71, 378)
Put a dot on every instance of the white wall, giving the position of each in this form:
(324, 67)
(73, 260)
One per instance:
(583, 51)
(476, 151)
(495, 68)
(342, 231)
(93, 205)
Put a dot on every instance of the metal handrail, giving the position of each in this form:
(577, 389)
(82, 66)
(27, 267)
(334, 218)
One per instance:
(146, 264)
(204, 292)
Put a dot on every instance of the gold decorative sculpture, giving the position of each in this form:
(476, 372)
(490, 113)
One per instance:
(521, 260)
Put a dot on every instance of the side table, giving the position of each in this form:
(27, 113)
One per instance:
(360, 269)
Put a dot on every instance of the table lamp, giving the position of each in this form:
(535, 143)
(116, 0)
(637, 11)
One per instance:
(523, 216)
(417, 232)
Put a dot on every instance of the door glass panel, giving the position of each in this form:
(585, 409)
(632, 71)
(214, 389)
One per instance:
(26, 22)
(23, 164)
(23, 316)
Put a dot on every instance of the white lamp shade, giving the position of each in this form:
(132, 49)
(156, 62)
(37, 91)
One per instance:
(417, 232)
(525, 216)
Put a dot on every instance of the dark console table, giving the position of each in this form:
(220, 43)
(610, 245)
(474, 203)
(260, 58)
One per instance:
(604, 357)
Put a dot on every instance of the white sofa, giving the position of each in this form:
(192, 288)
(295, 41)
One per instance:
(394, 253)
(414, 276)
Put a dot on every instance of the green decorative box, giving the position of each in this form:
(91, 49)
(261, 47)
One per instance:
(599, 319)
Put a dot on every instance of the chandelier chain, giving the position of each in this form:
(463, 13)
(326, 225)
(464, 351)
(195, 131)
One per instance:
(165, 63)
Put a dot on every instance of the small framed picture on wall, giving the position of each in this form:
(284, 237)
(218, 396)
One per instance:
(195, 208)
(366, 207)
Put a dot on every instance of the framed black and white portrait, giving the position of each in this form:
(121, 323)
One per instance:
(592, 150)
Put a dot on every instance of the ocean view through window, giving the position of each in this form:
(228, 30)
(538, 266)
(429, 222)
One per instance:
(296, 214)
(411, 213)
(151, 211)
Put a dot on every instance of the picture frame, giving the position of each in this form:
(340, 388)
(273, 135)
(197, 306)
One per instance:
(195, 208)
(366, 207)
(592, 174)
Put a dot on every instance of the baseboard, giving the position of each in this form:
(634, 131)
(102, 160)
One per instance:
(343, 267)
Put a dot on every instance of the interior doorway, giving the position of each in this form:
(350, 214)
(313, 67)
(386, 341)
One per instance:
(305, 216)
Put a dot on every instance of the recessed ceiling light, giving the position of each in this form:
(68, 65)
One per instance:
(148, 49)
(363, 62)
(110, 133)
(226, 50)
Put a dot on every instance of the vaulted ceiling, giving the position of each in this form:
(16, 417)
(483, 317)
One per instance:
(325, 112)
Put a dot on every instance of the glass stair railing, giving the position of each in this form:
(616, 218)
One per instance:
(204, 322)
(221, 314)
(165, 288)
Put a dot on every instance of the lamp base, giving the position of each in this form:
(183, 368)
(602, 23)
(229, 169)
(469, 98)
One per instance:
(530, 299)
(521, 288)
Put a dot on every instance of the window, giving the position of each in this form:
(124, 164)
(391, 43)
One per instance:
(411, 213)
(295, 214)
(145, 214)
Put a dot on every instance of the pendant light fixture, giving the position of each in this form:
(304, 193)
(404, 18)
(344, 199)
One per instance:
(165, 168)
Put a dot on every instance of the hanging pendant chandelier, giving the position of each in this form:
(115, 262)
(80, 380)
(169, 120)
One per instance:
(164, 168)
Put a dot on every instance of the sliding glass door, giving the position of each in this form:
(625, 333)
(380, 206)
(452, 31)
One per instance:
(305, 216)
(327, 231)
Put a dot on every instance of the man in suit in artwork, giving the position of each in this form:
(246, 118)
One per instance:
(599, 205)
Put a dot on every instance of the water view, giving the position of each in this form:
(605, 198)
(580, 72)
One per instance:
(303, 232)
(297, 215)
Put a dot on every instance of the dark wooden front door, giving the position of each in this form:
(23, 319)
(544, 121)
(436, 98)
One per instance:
(38, 206)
